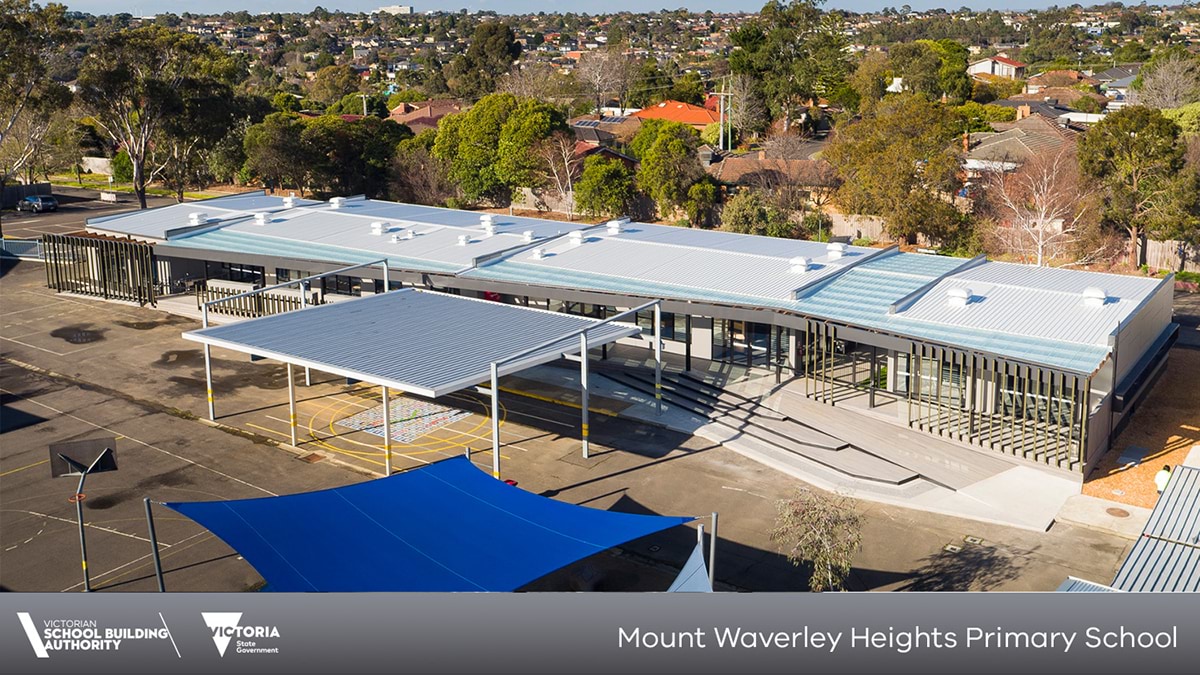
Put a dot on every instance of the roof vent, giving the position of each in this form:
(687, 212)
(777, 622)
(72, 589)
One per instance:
(800, 264)
(289, 201)
(958, 296)
(409, 234)
(576, 237)
(538, 254)
(260, 219)
(489, 228)
(615, 226)
(378, 228)
(1094, 296)
(463, 239)
(527, 235)
(487, 219)
(835, 250)
(395, 238)
(198, 218)
(337, 202)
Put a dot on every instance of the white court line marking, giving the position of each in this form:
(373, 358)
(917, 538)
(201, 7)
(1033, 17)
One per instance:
(76, 522)
(43, 349)
(135, 560)
(148, 445)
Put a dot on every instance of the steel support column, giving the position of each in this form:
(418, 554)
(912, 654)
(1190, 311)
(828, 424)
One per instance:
(291, 403)
(583, 391)
(387, 432)
(658, 358)
(495, 421)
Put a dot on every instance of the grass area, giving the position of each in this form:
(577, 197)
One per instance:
(92, 181)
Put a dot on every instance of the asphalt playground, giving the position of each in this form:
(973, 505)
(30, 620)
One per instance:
(74, 367)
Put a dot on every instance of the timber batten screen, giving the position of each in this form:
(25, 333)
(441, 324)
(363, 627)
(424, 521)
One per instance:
(106, 268)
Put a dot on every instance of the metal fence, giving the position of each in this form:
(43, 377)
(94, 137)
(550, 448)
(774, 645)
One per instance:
(249, 306)
(25, 249)
(113, 270)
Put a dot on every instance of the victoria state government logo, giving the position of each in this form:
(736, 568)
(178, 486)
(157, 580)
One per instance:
(226, 627)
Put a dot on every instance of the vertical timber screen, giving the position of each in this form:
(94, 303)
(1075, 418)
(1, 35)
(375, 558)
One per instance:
(105, 268)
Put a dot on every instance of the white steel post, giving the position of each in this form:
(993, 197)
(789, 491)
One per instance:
(583, 389)
(303, 305)
(212, 412)
(495, 421)
(712, 552)
(387, 431)
(658, 358)
(292, 403)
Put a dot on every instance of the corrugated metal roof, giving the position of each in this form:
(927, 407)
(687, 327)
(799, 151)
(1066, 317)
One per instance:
(374, 209)
(156, 223)
(1034, 302)
(1167, 555)
(421, 342)
(1073, 585)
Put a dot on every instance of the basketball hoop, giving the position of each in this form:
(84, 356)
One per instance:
(77, 497)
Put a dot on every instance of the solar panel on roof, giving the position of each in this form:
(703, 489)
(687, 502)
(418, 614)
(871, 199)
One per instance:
(604, 119)
(588, 124)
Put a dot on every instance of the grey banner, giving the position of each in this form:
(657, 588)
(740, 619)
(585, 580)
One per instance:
(599, 633)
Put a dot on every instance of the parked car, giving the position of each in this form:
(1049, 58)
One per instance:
(38, 204)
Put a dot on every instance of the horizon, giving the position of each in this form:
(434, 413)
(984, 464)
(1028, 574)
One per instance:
(150, 8)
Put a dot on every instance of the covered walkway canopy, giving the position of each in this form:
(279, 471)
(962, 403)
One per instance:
(421, 342)
(1166, 558)
(442, 527)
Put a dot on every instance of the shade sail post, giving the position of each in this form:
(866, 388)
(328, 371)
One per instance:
(158, 572)
(292, 403)
(583, 391)
(495, 421)
(387, 432)
(208, 387)
(712, 553)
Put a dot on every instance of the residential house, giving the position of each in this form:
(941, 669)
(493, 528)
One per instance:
(1014, 143)
(677, 111)
(998, 65)
(1060, 78)
(424, 115)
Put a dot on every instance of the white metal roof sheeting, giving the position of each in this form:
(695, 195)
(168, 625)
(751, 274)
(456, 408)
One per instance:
(718, 240)
(728, 266)
(1167, 555)
(421, 342)
(1073, 585)
(374, 209)
(1036, 302)
(431, 242)
(156, 223)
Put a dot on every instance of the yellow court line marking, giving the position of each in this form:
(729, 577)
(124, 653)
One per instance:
(547, 399)
(24, 467)
(269, 431)
(445, 443)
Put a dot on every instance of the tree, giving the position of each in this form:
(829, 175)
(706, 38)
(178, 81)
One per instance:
(122, 168)
(417, 176)
(952, 78)
(750, 212)
(1040, 206)
(605, 188)
(31, 40)
(332, 83)
(1187, 117)
(178, 156)
(493, 48)
(536, 80)
(870, 79)
(918, 65)
(747, 112)
(1135, 155)
(531, 123)
(353, 104)
(1171, 81)
(285, 102)
(669, 165)
(871, 155)
(603, 73)
(137, 81)
(797, 53)
(560, 166)
(275, 153)
(701, 198)
(688, 88)
(351, 157)
(823, 531)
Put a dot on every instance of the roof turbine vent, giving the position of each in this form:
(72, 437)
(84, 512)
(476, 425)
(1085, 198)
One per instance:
(260, 219)
(463, 240)
(489, 228)
(615, 226)
(487, 219)
(337, 202)
(538, 254)
(958, 296)
(289, 201)
(1094, 296)
(395, 238)
(835, 250)
(409, 234)
(576, 238)
(378, 228)
(527, 235)
(198, 218)
(800, 265)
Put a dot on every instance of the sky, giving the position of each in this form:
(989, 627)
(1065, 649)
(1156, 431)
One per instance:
(146, 7)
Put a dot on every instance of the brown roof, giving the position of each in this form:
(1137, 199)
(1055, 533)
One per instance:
(1021, 140)
(434, 109)
(752, 170)
(1064, 95)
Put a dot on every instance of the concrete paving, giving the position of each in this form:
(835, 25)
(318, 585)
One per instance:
(126, 369)
(75, 205)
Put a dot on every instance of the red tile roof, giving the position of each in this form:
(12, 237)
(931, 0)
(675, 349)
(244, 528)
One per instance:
(677, 111)
(1008, 62)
